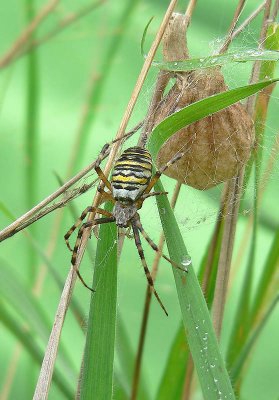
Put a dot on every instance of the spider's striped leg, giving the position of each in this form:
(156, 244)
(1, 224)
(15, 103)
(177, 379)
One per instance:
(155, 247)
(144, 264)
(81, 218)
(145, 196)
(88, 224)
(99, 171)
(158, 173)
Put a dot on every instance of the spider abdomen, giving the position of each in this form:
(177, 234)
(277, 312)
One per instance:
(131, 174)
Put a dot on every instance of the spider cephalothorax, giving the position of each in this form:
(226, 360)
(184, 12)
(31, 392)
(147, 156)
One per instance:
(130, 185)
(123, 213)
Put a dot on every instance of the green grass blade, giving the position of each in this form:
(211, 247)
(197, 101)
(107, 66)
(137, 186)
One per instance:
(97, 373)
(268, 277)
(172, 382)
(199, 110)
(219, 60)
(30, 345)
(202, 340)
(236, 369)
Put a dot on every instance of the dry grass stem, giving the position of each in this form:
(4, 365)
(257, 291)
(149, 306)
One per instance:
(27, 33)
(186, 395)
(248, 20)
(234, 21)
(234, 187)
(257, 64)
(46, 372)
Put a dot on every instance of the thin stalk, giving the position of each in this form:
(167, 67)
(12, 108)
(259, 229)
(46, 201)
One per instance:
(243, 357)
(234, 21)
(248, 20)
(232, 207)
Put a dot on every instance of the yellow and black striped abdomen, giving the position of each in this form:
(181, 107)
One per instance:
(131, 174)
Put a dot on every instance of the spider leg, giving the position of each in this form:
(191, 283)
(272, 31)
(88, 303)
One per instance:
(159, 172)
(144, 264)
(155, 247)
(84, 226)
(145, 196)
(99, 171)
(80, 219)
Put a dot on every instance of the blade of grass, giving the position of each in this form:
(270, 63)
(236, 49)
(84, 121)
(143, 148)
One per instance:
(241, 56)
(270, 270)
(237, 367)
(202, 341)
(97, 372)
(27, 340)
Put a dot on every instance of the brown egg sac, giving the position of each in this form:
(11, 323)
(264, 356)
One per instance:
(217, 146)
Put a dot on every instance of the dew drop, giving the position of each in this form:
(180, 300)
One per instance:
(186, 261)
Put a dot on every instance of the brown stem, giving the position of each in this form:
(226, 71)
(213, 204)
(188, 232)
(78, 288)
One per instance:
(234, 21)
(234, 188)
(248, 20)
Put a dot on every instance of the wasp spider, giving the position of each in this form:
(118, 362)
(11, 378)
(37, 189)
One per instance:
(130, 186)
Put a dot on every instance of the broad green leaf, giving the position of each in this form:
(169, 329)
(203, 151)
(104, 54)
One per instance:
(97, 371)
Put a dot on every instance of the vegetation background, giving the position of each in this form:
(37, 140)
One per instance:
(47, 94)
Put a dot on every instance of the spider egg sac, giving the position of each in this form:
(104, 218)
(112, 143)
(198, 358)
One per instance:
(216, 147)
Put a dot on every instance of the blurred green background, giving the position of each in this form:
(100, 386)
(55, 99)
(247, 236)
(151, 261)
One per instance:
(63, 71)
